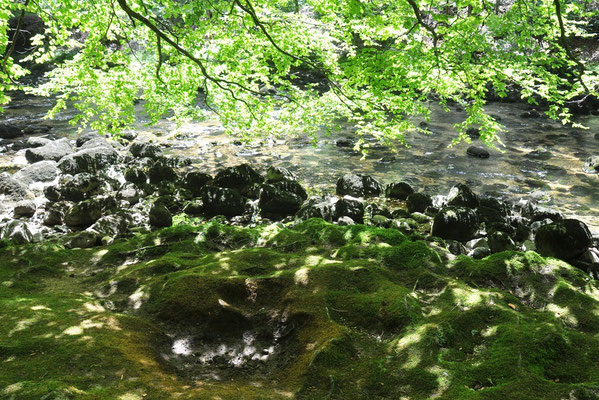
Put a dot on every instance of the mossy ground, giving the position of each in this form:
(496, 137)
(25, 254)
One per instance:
(351, 312)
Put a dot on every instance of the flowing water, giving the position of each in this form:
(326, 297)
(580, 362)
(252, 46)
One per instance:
(541, 159)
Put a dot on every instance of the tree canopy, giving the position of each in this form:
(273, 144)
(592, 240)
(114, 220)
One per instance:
(284, 67)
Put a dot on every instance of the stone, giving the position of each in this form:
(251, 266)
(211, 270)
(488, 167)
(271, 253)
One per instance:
(500, 241)
(194, 181)
(275, 201)
(478, 152)
(241, 177)
(81, 240)
(79, 187)
(15, 190)
(591, 165)
(222, 201)
(358, 186)
(24, 208)
(480, 252)
(161, 171)
(33, 142)
(9, 131)
(530, 114)
(461, 195)
(110, 227)
(136, 176)
(86, 137)
(160, 216)
(317, 207)
(564, 239)
(398, 190)
(381, 221)
(143, 150)
(349, 207)
(84, 214)
(279, 174)
(457, 223)
(53, 151)
(418, 202)
(42, 171)
(21, 232)
(88, 160)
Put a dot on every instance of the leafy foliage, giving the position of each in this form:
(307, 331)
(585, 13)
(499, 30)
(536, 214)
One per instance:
(279, 67)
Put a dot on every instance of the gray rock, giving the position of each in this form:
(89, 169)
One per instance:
(222, 201)
(462, 196)
(110, 227)
(9, 131)
(478, 152)
(457, 223)
(13, 189)
(194, 181)
(500, 241)
(24, 208)
(278, 174)
(565, 239)
(160, 171)
(81, 240)
(84, 214)
(350, 207)
(275, 201)
(88, 160)
(53, 151)
(418, 202)
(21, 232)
(86, 137)
(34, 142)
(145, 150)
(42, 171)
(240, 178)
(358, 186)
(398, 190)
(317, 207)
(345, 221)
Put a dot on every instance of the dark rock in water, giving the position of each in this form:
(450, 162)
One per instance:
(457, 223)
(36, 129)
(358, 186)
(344, 143)
(474, 133)
(418, 202)
(80, 187)
(14, 189)
(275, 201)
(565, 239)
(530, 114)
(241, 177)
(398, 190)
(292, 186)
(21, 232)
(222, 201)
(491, 210)
(194, 181)
(9, 131)
(500, 241)
(52, 151)
(88, 160)
(352, 208)
(43, 171)
(539, 154)
(461, 196)
(278, 174)
(317, 207)
(136, 176)
(24, 208)
(84, 214)
(148, 150)
(539, 213)
(596, 136)
(478, 152)
(160, 216)
(591, 165)
(81, 240)
(161, 171)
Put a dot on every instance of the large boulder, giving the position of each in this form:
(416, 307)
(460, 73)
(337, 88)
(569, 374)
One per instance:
(352, 208)
(564, 239)
(241, 178)
(278, 174)
(21, 232)
(145, 150)
(194, 181)
(136, 176)
(89, 160)
(13, 189)
(43, 171)
(358, 186)
(53, 151)
(456, 223)
(222, 201)
(80, 187)
(24, 208)
(418, 202)
(84, 214)
(398, 190)
(160, 216)
(462, 196)
(9, 131)
(317, 207)
(160, 171)
(500, 241)
(276, 201)
(81, 240)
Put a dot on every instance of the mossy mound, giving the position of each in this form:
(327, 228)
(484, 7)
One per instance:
(314, 311)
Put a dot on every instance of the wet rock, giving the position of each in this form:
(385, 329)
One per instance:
(241, 178)
(565, 239)
(457, 223)
(136, 176)
(222, 201)
(21, 232)
(344, 143)
(24, 208)
(143, 150)
(473, 133)
(53, 151)
(42, 171)
(500, 241)
(398, 190)
(84, 214)
(462, 196)
(15, 190)
(535, 212)
(358, 186)
(9, 131)
(86, 137)
(160, 171)
(55, 213)
(34, 142)
(160, 216)
(279, 174)
(478, 152)
(418, 202)
(276, 201)
(80, 187)
(349, 207)
(81, 240)
(530, 114)
(317, 207)
(292, 186)
(194, 181)
(88, 160)
(591, 165)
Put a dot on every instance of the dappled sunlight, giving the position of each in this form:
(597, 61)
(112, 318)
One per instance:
(77, 330)
(23, 325)
(562, 313)
(138, 298)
